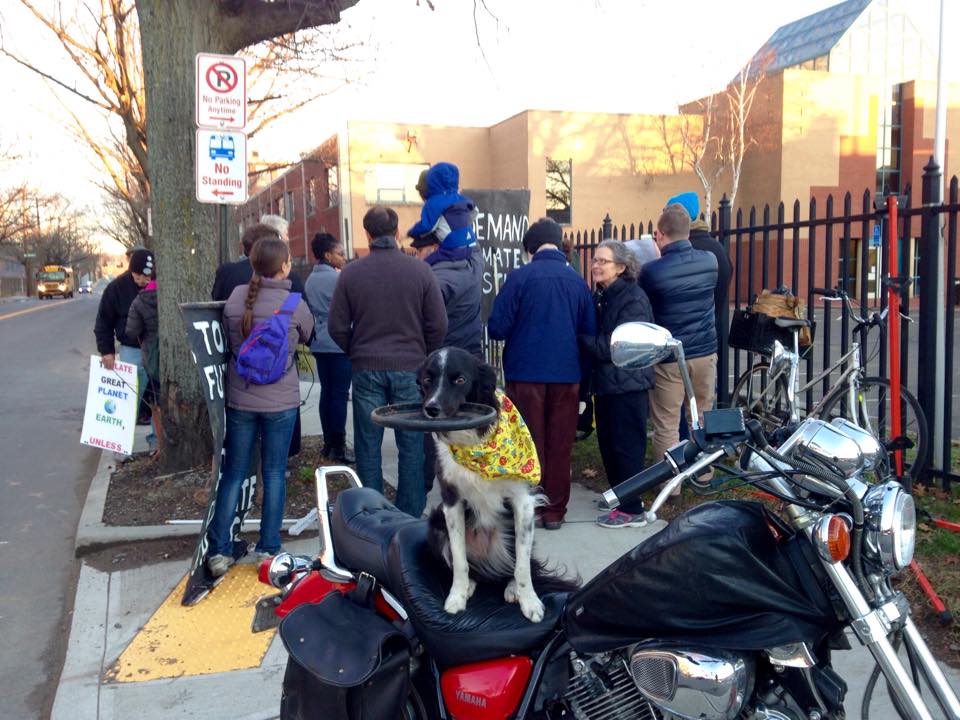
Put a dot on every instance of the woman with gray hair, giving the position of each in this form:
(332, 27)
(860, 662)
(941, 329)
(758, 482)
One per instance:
(620, 394)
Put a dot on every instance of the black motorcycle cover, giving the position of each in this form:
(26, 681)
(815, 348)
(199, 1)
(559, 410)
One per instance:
(719, 576)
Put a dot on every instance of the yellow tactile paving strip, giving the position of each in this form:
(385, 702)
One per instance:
(212, 636)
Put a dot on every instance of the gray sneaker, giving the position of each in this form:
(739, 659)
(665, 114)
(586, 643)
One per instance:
(219, 564)
(266, 555)
(619, 519)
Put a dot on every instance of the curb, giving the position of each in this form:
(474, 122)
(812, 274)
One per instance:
(93, 534)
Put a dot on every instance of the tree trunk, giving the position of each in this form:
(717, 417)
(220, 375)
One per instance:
(184, 231)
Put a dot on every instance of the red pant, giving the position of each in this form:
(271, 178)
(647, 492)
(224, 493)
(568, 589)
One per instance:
(550, 411)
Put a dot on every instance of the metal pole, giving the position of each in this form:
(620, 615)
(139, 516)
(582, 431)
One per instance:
(939, 145)
(723, 342)
(224, 247)
(893, 330)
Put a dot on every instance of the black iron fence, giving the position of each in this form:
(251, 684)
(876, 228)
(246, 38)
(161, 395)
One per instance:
(844, 248)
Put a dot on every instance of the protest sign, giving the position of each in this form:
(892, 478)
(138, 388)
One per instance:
(110, 417)
(208, 345)
(501, 222)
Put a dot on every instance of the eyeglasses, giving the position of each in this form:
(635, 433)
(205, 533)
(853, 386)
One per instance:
(601, 261)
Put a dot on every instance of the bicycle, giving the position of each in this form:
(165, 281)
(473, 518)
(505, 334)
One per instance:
(768, 390)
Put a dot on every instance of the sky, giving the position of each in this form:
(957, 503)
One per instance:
(418, 65)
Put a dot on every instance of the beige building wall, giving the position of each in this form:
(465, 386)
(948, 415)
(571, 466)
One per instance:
(509, 160)
(370, 143)
(827, 116)
(624, 165)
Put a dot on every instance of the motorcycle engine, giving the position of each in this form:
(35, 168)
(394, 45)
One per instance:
(600, 686)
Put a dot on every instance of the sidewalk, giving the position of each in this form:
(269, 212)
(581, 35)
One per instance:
(111, 609)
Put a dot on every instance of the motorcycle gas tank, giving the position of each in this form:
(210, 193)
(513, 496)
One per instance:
(723, 575)
(488, 690)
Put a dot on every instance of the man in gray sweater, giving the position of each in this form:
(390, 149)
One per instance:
(387, 314)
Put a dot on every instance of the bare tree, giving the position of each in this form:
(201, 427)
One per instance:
(703, 147)
(739, 98)
(559, 187)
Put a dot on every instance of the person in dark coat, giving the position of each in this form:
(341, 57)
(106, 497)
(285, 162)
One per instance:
(620, 394)
(701, 239)
(110, 328)
(143, 326)
(541, 310)
(233, 274)
(680, 285)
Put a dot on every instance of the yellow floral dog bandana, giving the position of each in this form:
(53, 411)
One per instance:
(507, 454)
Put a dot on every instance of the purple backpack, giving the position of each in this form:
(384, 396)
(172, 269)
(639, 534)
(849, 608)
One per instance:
(262, 359)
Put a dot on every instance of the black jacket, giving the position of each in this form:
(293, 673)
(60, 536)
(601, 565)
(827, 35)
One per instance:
(680, 285)
(701, 239)
(112, 314)
(624, 301)
(233, 274)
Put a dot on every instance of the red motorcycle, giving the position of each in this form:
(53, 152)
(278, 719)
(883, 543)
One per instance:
(730, 612)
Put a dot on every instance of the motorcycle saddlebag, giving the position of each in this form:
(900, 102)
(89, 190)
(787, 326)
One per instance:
(346, 663)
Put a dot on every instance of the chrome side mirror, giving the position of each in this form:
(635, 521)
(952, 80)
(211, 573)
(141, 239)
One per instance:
(284, 569)
(641, 344)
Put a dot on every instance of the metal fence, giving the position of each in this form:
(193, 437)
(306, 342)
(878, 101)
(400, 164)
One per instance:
(835, 249)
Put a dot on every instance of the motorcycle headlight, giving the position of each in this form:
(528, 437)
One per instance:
(891, 525)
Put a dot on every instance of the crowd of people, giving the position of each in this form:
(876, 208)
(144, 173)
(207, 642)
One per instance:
(371, 322)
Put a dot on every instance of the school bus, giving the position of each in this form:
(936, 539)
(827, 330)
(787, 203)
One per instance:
(55, 280)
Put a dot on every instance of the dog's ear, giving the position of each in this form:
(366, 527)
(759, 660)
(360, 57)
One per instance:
(484, 389)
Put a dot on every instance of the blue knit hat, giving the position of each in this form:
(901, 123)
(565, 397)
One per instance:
(690, 201)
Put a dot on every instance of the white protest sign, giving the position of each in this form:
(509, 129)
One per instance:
(221, 91)
(111, 415)
(221, 167)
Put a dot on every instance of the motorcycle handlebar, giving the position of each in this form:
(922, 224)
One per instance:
(632, 488)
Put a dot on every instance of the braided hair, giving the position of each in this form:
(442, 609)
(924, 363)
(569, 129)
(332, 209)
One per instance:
(267, 258)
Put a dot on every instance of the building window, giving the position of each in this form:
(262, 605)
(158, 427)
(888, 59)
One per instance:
(560, 190)
(333, 186)
(312, 187)
(393, 184)
(289, 208)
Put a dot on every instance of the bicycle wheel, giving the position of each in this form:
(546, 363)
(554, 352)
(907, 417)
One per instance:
(876, 394)
(750, 394)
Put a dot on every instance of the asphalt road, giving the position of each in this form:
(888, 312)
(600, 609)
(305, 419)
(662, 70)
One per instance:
(44, 475)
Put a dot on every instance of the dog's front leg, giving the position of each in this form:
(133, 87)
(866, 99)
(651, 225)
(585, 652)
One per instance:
(456, 535)
(530, 604)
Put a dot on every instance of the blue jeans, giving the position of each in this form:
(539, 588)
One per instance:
(243, 428)
(134, 356)
(333, 373)
(371, 389)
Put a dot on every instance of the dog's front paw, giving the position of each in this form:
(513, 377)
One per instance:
(531, 607)
(510, 592)
(471, 588)
(456, 602)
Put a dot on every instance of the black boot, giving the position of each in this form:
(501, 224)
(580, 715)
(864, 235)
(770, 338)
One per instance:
(338, 450)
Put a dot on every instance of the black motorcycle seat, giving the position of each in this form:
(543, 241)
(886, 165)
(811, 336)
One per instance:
(489, 627)
(362, 525)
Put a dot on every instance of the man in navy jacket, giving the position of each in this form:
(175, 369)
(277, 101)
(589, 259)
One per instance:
(680, 285)
(541, 309)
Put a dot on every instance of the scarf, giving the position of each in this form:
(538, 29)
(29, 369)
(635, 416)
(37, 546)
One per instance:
(509, 453)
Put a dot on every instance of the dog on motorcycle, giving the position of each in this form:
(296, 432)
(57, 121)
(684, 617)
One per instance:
(489, 485)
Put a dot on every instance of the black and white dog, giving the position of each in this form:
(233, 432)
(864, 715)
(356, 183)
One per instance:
(484, 526)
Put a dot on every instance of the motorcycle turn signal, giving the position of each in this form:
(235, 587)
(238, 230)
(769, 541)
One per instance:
(833, 538)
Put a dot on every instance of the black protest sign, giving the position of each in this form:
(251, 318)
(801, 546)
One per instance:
(208, 344)
(501, 222)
